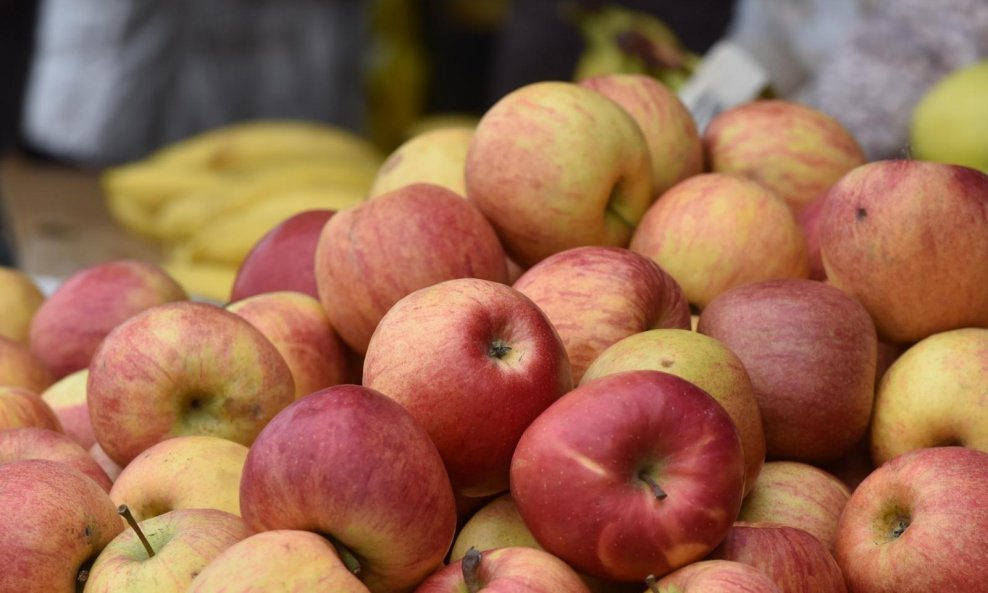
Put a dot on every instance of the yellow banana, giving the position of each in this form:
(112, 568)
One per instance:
(132, 215)
(152, 184)
(205, 280)
(256, 143)
(229, 238)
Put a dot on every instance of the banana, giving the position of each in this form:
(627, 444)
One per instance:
(229, 238)
(132, 215)
(152, 184)
(204, 280)
(257, 143)
(185, 215)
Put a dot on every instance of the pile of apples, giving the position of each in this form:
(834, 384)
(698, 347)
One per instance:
(582, 348)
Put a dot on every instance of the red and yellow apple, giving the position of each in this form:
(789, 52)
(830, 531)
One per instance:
(20, 299)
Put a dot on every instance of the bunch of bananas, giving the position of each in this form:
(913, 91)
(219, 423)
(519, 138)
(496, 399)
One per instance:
(621, 40)
(208, 199)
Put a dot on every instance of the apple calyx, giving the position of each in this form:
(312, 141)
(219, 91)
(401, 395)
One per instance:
(470, 566)
(899, 527)
(348, 558)
(653, 586)
(657, 490)
(125, 511)
(498, 349)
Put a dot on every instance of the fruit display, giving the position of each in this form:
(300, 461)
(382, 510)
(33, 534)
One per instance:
(552, 351)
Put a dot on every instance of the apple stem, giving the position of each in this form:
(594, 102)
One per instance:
(657, 490)
(652, 585)
(469, 565)
(125, 511)
(348, 558)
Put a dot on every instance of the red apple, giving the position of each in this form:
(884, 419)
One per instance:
(284, 259)
(21, 408)
(298, 327)
(632, 474)
(505, 570)
(349, 463)
(555, 165)
(909, 239)
(918, 523)
(810, 350)
(792, 149)
(73, 321)
(372, 255)
(797, 561)
(809, 222)
(474, 362)
(184, 368)
(595, 296)
(20, 367)
(41, 443)
(56, 520)
(67, 398)
(716, 576)
(111, 467)
(715, 231)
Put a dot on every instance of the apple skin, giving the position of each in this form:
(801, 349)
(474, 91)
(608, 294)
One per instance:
(111, 467)
(298, 327)
(41, 443)
(809, 221)
(509, 570)
(347, 461)
(938, 494)
(67, 398)
(595, 295)
(794, 559)
(55, 521)
(497, 524)
(810, 351)
(793, 149)
(576, 475)
(184, 368)
(670, 131)
(706, 363)
(941, 380)
(72, 322)
(717, 576)
(278, 561)
(193, 471)
(886, 231)
(473, 399)
(373, 254)
(19, 301)
(184, 542)
(20, 367)
(284, 258)
(555, 165)
(715, 231)
(435, 156)
(798, 495)
(21, 408)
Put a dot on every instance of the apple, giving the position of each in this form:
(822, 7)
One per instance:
(21, 408)
(20, 367)
(435, 156)
(673, 141)
(194, 471)
(909, 239)
(56, 520)
(917, 523)
(793, 149)
(793, 558)
(184, 368)
(182, 541)
(19, 301)
(283, 259)
(370, 256)
(810, 350)
(798, 495)
(505, 570)
(715, 231)
(943, 126)
(349, 463)
(613, 480)
(716, 576)
(43, 443)
(706, 363)
(72, 322)
(497, 524)
(473, 362)
(298, 327)
(596, 295)
(278, 561)
(555, 165)
(111, 467)
(941, 381)
(67, 398)
(809, 222)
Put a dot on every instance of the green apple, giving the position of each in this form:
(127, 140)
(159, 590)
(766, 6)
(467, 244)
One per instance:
(947, 124)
